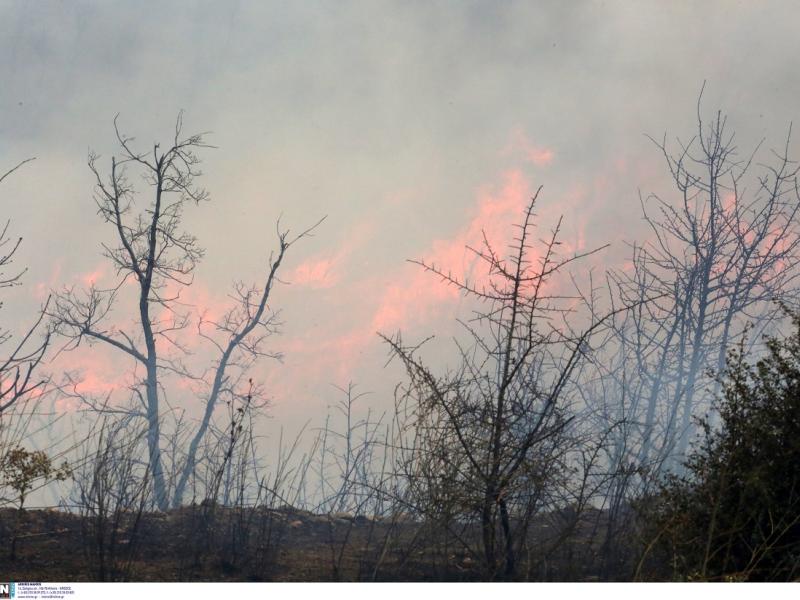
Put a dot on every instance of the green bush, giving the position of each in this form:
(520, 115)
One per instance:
(735, 514)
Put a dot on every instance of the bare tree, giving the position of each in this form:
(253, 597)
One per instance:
(18, 367)
(159, 258)
(722, 253)
(496, 426)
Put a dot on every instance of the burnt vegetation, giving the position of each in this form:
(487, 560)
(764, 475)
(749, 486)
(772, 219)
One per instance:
(639, 425)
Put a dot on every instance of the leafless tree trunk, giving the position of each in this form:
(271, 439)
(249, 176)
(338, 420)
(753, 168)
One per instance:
(498, 420)
(152, 252)
(722, 253)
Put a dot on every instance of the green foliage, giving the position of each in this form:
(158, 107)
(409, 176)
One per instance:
(735, 515)
(20, 468)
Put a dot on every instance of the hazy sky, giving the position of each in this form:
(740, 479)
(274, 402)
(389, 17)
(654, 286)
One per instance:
(411, 125)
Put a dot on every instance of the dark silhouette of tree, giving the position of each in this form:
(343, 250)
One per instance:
(18, 379)
(492, 433)
(723, 248)
(153, 252)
